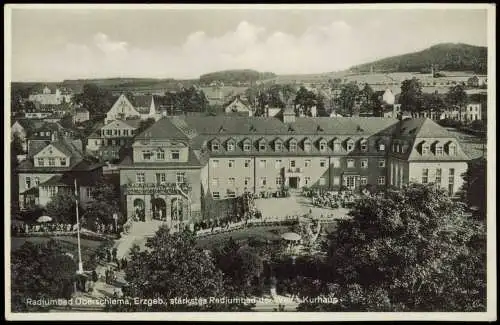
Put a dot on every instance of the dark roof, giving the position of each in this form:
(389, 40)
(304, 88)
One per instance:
(78, 166)
(36, 145)
(140, 101)
(163, 129)
(422, 127)
(233, 125)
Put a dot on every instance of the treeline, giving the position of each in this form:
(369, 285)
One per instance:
(234, 76)
(447, 57)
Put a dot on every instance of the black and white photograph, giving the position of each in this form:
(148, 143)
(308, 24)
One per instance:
(250, 162)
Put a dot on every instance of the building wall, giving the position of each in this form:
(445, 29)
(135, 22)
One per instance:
(415, 173)
(167, 147)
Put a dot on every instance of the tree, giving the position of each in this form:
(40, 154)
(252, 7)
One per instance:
(172, 267)
(40, 271)
(95, 99)
(433, 102)
(414, 250)
(456, 96)
(347, 98)
(474, 189)
(62, 208)
(411, 95)
(306, 99)
(105, 198)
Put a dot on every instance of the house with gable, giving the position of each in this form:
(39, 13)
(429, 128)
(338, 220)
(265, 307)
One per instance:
(140, 107)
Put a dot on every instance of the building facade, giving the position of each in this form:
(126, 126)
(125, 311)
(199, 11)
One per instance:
(218, 157)
(48, 96)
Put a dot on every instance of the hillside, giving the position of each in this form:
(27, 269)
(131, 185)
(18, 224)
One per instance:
(446, 56)
(234, 76)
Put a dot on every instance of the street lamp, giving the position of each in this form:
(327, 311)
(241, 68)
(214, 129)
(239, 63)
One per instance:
(80, 264)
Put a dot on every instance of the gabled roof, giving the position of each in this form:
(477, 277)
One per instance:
(422, 128)
(163, 129)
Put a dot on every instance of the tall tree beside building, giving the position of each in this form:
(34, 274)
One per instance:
(95, 99)
(474, 188)
(40, 271)
(411, 95)
(347, 98)
(62, 208)
(457, 96)
(414, 250)
(306, 99)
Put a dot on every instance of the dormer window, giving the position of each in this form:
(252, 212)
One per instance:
(278, 145)
(230, 145)
(160, 154)
(452, 149)
(62, 161)
(293, 145)
(439, 149)
(322, 145)
(336, 145)
(350, 145)
(363, 145)
(246, 145)
(262, 145)
(215, 146)
(147, 155)
(425, 148)
(381, 146)
(307, 145)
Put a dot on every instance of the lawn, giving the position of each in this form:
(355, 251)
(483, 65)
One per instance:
(259, 233)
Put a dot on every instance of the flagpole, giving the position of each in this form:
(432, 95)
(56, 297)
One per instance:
(80, 264)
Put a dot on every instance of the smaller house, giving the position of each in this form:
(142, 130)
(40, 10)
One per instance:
(81, 115)
(238, 105)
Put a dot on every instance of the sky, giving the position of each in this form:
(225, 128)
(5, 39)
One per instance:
(58, 44)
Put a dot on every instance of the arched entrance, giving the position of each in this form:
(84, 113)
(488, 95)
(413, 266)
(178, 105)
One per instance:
(140, 209)
(159, 208)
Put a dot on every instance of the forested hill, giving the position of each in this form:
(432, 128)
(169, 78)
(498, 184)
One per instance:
(446, 56)
(232, 76)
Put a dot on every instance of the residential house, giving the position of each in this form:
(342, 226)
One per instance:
(142, 107)
(54, 168)
(238, 105)
(81, 115)
(51, 95)
(107, 140)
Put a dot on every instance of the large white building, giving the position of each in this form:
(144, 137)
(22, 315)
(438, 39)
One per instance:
(51, 96)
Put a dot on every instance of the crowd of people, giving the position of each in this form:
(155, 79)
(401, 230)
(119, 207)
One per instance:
(26, 228)
(332, 200)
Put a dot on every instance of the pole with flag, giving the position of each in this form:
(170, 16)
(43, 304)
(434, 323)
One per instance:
(80, 264)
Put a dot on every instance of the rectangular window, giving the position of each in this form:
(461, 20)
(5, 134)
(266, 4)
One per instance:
(279, 181)
(109, 132)
(350, 146)
(247, 163)
(215, 163)
(161, 178)
(451, 189)
(147, 155)
(160, 155)
(41, 161)
(140, 178)
(307, 163)
(381, 180)
(350, 181)
(231, 181)
(439, 151)
(425, 175)
(292, 163)
(364, 146)
(350, 163)
(262, 164)
(125, 132)
(37, 181)
(216, 195)
(52, 161)
(246, 146)
(451, 176)
(180, 177)
(115, 132)
(89, 192)
(425, 150)
(230, 146)
(336, 162)
(381, 163)
(364, 163)
(247, 181)
(262, 146)
(307, 180)
(215, 182)
(230, 163)
(263, 181)
(52, 191)
(322, 163)
(336, 146)
(293, 146)
(277, 164)
(175, 154)
(278, 146)
(231, 194)
(322, 181)
(438, 176)
(28, 182)
(364, 180)
(215, 147)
